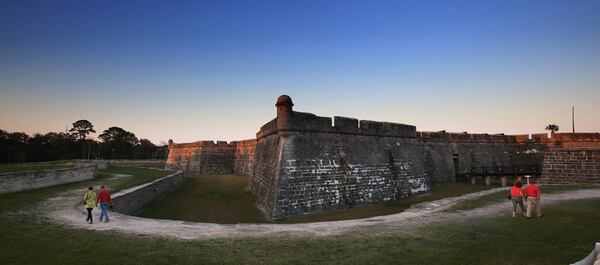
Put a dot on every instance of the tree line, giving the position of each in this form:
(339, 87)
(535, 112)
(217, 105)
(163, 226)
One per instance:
(114, 143)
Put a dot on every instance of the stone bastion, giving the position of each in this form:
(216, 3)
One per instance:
(303, 163)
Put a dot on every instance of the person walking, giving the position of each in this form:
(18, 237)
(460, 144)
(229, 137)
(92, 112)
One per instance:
(105, 201)
(533, 194)
(516, 195)
(89, 200)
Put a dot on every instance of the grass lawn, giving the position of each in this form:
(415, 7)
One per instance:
(10, 168)
(222, 199)
(502, 196)
(214, 199)
(565, 235)
(12, 201)
(439, 191)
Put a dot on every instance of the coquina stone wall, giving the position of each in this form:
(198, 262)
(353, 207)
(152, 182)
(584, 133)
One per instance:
(20, 181)
(302, 163)
(568, 140)
(203, 157)
(571, 166)
(155, 163)
(133, 200)
(244, 157)
(310, 163)
(448, 154)
(100, 164)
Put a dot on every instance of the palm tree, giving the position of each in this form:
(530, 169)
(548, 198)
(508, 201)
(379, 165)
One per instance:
(552, 128)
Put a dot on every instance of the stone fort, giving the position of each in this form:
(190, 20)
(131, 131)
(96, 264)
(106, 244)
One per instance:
(302, 163)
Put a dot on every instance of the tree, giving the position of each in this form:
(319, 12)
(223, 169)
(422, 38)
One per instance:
(81, 129)
(16, 144)
(118, 143)
(145, 149)
(552, 128)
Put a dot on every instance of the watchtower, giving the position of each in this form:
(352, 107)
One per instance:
(284, 114)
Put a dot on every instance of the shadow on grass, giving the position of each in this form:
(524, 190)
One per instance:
(213, 199)
(222, 199)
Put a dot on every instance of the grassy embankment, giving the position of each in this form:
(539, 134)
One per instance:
(139, 176)
(18, 167)
(565, 235)
(222, 199)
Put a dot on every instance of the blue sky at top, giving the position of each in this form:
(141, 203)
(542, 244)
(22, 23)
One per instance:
(191, 70)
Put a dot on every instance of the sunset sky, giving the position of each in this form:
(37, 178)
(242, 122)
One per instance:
(201, 70)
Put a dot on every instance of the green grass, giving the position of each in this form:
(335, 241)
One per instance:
(502, 196)
(439, 191)
(222, 199)
(565, 235)
(12, 168)
(13, 201)
(215, 199)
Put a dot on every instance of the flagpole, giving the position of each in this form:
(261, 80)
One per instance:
(573, 117)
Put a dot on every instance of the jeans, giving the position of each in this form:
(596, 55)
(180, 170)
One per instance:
(517, 200)
(104, 210)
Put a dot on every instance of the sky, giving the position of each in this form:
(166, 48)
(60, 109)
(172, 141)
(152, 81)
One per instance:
(212, 70)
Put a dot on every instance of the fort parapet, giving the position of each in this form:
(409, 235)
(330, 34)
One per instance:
(302, 163)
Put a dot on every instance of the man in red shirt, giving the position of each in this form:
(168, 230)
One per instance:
(105, 201)
(533, 194)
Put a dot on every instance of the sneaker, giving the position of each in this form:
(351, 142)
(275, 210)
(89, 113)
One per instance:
(106, 221)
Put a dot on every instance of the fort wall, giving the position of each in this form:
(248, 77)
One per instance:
(447, 155)
(264, 179)
(202, 157)
(326, 171)
(243, 158)
(133, 200)
(571, 166)
(20, 181)
(320, 163)
(303, 163)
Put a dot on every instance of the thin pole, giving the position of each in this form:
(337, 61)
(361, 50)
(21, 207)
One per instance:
(573, 117)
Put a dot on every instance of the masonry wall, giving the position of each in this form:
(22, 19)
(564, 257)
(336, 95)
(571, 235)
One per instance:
(156, 163)
(203, 157)
(244, 156)
(568, 140)
(20, 181)
(133, 200)
(320, 164)
(302, 163)
(442, 150)
(100, 164)
(571, 166)
(324, 171)
(263, 181)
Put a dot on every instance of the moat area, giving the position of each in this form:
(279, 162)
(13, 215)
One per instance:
(225, 199)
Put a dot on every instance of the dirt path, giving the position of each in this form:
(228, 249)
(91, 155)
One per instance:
(66, 209)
